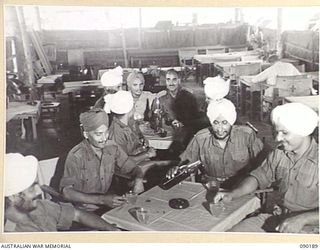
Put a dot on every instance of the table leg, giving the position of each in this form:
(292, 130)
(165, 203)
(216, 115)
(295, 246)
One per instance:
(34, 128)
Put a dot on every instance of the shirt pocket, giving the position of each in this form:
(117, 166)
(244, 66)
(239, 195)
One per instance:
(90, 181)
(307, 191)
(240, 154)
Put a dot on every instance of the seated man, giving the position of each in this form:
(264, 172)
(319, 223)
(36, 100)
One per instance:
(25, 211)
(141, 98)
(225, 150)
(111, 82)
(91, 164)
(132, 142)
(293, 166)
(179, 109)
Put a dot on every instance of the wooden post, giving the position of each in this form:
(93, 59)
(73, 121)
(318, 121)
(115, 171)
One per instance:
(279, 31)
(124, 47)
(140, 29)
(26, 46)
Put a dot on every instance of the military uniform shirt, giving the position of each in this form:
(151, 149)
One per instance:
(242, 146)
(298, 181)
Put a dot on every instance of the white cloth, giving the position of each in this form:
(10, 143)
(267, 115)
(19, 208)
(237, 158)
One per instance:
(296, 117)
(112, 77)
(270, 75)
(216, 88)
(121, 102)
(222, 107)
(20, 172)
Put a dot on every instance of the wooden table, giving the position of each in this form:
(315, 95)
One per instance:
(70, 87)
(22, 110)
(312, 101)
(247, 89)
(155, 140)
(194, 218)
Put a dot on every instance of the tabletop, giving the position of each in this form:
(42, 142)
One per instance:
(155, 140)
(246, 80)
(22, 109)
(233, 56)
(312, 101)
(73, 86)
(196, 217)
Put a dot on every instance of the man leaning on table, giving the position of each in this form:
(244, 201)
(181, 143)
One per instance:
(227, 151)
(293, 165)
(91, 164)
(25, 211)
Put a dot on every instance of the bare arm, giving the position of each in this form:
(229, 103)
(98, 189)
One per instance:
(296, 223)
(247, 186)
(92, 220)
(70, 194)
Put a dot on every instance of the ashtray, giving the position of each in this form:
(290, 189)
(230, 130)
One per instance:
(179, 203)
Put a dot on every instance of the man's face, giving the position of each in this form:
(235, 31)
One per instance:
(113, 89)
(286, 139)
(221, 128)
(98, 138)
(26, 201)
(136, 88)
(172, 81)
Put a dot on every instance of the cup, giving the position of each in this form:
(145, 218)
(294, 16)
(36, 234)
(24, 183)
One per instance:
(212, 189)
(131, 197)
(216, 208)
(142, 215)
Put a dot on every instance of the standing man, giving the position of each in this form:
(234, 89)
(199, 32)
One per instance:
(293, 166)
(91, 164)
(25, 209)
(225, 150)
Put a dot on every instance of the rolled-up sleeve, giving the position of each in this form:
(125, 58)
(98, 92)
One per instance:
(265, 174)
(71, 172)
(123, 164)
(66, 217)
(192, 152)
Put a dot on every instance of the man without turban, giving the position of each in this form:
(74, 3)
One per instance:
(90, 165)
(293, 166)
(227, 151)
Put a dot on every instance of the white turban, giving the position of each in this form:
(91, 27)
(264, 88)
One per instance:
(216, 88)
(112, 77)
(121, 102)
(222, 107)
(20, 173)
(296, 117)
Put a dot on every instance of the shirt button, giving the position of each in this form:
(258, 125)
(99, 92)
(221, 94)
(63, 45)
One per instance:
(291, 184)
(102, 178)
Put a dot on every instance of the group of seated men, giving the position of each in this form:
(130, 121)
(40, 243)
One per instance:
(114, 145)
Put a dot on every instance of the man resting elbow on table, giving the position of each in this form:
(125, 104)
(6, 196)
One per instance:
(294, 166)
(227, 151)
(91, 164)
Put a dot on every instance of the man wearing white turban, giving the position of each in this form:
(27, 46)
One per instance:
(215, 88)
(293, 166)
(225, 150)
(112, 82)
(25, 209)
(132, 142)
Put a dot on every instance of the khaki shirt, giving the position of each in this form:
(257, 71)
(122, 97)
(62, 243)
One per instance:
(242, 146)
(47, 217)
(124, 136)
(89, 174)
(298, 181)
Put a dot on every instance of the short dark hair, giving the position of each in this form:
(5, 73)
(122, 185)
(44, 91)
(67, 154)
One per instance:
(173, 72)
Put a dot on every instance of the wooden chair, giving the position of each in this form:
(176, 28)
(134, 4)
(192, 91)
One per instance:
(297, 85)
(187, 62)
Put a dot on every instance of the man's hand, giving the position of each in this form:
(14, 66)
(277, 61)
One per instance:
(222, 196)
(176, 124)
(113, 201)
(138, 186)
(151, 152)
(172, 172)
(292, 225)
